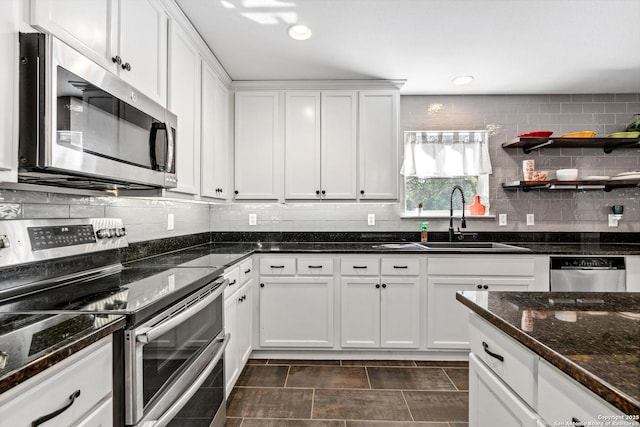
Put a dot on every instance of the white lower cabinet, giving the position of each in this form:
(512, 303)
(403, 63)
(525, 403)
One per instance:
(86, 375)
(492, 403)
(238, 318)
(296, 311)
(446, 317)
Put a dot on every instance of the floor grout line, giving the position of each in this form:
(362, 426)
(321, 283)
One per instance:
(452, 382)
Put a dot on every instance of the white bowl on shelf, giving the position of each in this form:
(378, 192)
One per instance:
(567, 174)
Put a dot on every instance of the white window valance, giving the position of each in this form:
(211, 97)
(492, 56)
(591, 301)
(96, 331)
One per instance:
(446, 154)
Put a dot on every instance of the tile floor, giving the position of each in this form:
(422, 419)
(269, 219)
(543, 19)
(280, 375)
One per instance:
(350, 393)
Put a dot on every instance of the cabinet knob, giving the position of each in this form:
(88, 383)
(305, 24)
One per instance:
(377, 286)
(384, 285)
(262, 285)
(116, 60)
(235, 192)
(479, 286)
(323, 192)
(486, 286)
(362, 192)
(317, 192)
(126, 66)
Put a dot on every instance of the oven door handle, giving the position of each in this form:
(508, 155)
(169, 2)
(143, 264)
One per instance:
(149, 334)
(173, 410)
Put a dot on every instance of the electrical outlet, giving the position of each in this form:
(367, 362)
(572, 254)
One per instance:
(613, 221)
(530, 219)
(371, 219)
(170, 222)
(253, 219)
(502, 220)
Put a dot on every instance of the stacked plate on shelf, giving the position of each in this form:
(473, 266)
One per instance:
(626, 175)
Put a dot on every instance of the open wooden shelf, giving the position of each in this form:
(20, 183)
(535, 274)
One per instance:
(606, 185)
(607, 144)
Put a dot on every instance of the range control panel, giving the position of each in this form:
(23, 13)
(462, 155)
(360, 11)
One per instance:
(60, 235)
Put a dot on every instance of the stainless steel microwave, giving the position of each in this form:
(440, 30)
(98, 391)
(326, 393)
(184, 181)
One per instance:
(83, 127)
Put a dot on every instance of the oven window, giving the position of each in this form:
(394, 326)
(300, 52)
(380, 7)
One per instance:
(166, 357)
(95, 122)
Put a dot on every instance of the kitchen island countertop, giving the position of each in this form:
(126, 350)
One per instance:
(592, 337)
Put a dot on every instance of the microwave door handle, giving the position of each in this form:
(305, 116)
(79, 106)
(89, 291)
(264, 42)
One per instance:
(153, 143)
(170, 413)
(147, 335)
(171, 149)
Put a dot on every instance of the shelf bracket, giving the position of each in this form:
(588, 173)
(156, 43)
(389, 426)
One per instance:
(527, 150)
(608, 149)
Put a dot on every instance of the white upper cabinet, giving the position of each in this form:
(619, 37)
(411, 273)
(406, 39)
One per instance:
(8, 90)
(258, 145)
(339, 127)
(127, 37)
(184, 101)
(215, 135)
(302, 145)
(378, 139)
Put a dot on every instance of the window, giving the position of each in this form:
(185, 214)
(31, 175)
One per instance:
(435, 161)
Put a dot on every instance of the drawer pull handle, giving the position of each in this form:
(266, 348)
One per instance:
(359, 266)
(248, 271)
(400, 266)
(314, 266)
(43, 419)
(277, 266)
(232, 283)
(490, 353)
(576, 422)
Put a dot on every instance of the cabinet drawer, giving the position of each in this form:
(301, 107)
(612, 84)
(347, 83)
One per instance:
(360, 267)
(102, 416)
(481, 265)
(89, 371)
(233, 276)
(518, 365)
(246, 267)
(561, 399)
(400, 267)
(315, 266)
(278, 266)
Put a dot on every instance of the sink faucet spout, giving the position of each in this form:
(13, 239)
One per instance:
(463, 221)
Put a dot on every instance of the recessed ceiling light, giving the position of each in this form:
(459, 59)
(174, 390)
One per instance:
(462, 80)
(299, 32)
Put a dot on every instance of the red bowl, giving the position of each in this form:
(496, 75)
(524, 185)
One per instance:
(536, 134)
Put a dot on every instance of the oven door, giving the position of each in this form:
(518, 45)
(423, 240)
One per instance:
(175, 355)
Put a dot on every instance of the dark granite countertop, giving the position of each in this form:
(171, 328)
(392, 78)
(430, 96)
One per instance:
(31, 343)
(592, 337)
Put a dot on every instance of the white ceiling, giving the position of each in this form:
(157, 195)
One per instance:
(510, 46)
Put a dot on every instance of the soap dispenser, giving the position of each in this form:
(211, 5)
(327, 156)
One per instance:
(476, 208)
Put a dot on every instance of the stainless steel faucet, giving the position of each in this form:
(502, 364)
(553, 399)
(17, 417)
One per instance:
(463, 222)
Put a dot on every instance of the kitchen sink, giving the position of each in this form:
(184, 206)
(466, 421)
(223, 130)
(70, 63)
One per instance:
(472, 246)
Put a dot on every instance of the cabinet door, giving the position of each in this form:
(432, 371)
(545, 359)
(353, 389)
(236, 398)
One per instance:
(302, 145)
(296, 312)
(491, 403)
(215, 142)
(143, 45)
(400, 312)
(184, 101)
(378, 139)
(244, 322)
(91, 26)
(360, 320)
(257, 145)
(447, 319)
(231, 353)
(338, 144)
(8, 88)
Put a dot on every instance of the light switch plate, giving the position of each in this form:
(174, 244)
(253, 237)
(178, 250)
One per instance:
(530, 219)
(502, 220)
(170, 221)
(253, 219)
(371, 219)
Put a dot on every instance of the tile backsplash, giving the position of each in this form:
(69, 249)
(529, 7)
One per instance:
(505, 116)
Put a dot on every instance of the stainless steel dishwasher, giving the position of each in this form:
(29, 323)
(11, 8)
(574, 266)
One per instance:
(588, 274)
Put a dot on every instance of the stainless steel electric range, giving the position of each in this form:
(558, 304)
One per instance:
(171, 359)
